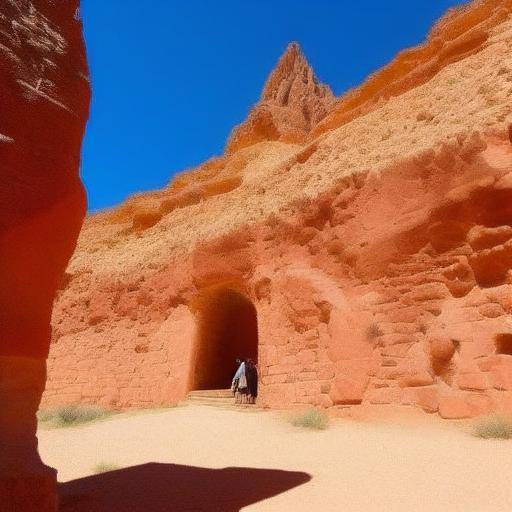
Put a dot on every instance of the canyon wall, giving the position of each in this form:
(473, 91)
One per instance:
(371, 243)
(45, 96)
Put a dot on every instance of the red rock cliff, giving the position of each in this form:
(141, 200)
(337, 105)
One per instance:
(45, 97)
(376, 256)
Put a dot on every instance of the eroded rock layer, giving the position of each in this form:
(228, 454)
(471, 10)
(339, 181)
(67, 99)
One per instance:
(373, 250)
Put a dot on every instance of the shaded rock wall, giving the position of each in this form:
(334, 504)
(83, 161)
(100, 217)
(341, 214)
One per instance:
(45, 96)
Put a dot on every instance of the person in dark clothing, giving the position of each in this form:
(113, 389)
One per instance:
(251, 374)
(239, 383)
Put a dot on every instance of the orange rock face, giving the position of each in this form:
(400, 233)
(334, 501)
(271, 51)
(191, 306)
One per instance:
(361, 251)
(460, 33)
(45, 96)
(292, 103)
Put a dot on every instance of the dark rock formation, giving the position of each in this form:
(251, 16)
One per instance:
(45, 99)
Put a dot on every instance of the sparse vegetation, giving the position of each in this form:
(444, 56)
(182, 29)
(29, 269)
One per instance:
(71, 415)
(311, 418)
(494, 427)
(45, 416)
(105, 467)
(373, 331)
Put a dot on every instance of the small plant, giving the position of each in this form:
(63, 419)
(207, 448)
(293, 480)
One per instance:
(70, 415)
(311, 418)
(45, 416)
(104, 467)
(73, 414)
(494, 427)
(373, 331)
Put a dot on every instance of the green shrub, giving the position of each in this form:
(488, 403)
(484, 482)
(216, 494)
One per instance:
(45, 415)
(311, 418)
(70, 415)
(104, 467)
(494, 427)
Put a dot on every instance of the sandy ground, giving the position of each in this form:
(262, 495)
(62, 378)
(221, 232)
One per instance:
(352, 466)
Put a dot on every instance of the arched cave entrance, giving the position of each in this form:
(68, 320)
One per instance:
(227, 329)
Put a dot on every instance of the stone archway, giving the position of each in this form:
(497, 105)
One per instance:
(227, 329)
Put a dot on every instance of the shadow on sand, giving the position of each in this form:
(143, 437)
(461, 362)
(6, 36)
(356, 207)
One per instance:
(170, 487)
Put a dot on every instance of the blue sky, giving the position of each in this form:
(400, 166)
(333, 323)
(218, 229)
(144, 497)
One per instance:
(171, 78)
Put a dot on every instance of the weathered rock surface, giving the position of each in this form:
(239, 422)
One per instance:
(44, 103)
(292, 103)
(374, 247)
(459, 34)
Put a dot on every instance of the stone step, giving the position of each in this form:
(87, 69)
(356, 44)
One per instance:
(211, 393)
(211, 400)
(220, 398)
(226, 407)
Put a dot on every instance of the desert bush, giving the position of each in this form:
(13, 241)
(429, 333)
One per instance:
(104, 467)
(70, 415)
(494, 427)
(373, 331)
(45, 415)
(311, 418)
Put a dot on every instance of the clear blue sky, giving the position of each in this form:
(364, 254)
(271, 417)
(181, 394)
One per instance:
(172, 77)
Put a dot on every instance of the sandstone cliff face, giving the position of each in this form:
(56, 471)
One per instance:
(292, 103)
(375, 255)
(460, 33)
(44, 102)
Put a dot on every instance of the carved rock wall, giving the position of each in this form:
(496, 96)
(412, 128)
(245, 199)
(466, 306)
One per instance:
(376, 292)
(376, 255)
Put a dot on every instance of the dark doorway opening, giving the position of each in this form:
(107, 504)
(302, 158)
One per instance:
(227, 329)
(504, 344)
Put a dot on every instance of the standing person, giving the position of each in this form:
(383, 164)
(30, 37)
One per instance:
(239, 383)
(251, 372)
